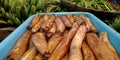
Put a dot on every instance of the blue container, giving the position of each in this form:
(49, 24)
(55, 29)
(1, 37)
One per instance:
(7, 44)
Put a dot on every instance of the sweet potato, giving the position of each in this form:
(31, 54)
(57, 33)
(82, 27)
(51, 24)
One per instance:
(75, 47)
(66, 56)
(52, 31)
(40, 43)
(87, 53)
(30, 44)
(77, 19)
(65, 32)
(87, 20)
(38, 57)
(45, 17)
(70, 17)
(101, 51)
(37, 26)
(60, 25)
(104, 38)
(34, 21)
(49, 23)
(53, 42)
(29, 54)
(63, 46)
(66, 21)
(20, 47)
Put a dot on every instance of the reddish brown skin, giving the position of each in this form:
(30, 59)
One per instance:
(89, 24)
(87, 52)
(75, 51)
(52, 31)
(66, 56)
(45, 17)
(70, 17)
(20, 47)
(101, 51)
(65, 32)
(38, 57)
(34, 21)
(77, 19)
(60, 25)
(39, 41)
(30, 44)
(37, 26)
(49, 23)
(64, 45)
(66, 21)
(29, 54)
(53, 42)
(104, 37)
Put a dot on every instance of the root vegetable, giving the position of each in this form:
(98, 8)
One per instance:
(20, 47)
(40, 43)
(75, 47)
(63, 46)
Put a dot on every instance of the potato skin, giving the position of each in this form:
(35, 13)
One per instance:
(39, 41)
(38, 57)
(20, 47)
(66, 21)
(101, 51)
(34, 21)
(37, 26)
(75, 47)
(49, 23)
(53, 42)
(29, 54)
(60, 25)
(63, 46)
(87, 52)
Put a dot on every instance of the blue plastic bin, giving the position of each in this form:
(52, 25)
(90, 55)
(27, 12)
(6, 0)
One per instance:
(7, 44)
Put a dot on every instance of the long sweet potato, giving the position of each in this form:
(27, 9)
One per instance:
(101, 51)
(63, 46)
(65, 32)
(30, 44)
(45, 17)
(34, 21)
(66, 56)
(75, 47)
(53, 42)
(87, 53)
(70, 17)
(77, 19)
(87, 20)
(37, 26)
(52, 31)
(49, 23)
(20, 47)
(40, 43)
(38, 57)
(104, 37)
(29, 54)
(60, 25)
(66, 21)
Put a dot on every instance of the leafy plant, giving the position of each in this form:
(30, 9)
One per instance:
(114, 23)
(94, 4)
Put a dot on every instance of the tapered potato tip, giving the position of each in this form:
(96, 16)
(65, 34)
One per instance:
(34, 21)
(46, 55)
(29, 28)
(9, 58)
